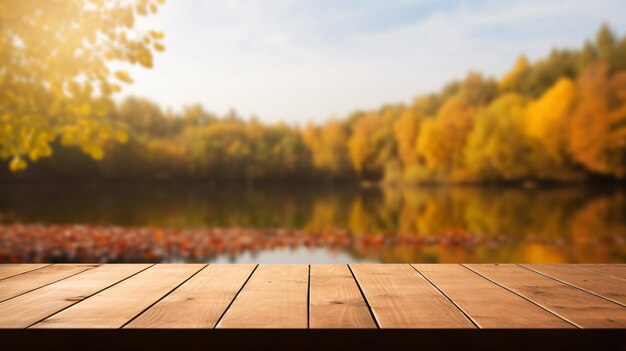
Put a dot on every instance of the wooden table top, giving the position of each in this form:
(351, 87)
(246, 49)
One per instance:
(385, 296)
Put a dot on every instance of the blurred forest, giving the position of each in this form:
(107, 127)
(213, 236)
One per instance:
(558, 119)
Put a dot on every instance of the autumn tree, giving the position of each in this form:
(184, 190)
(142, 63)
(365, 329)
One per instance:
(547, 127)
(513, 80)
(559, 118)
(328, 145)
(590, 123)
(605, 42)
(442, 139)
(56, 80)
(406, 130)
(616, 140)
(360, 144)
(145, 117)
(496, 147)
(544, 73)
(371, 144)
(598, 126)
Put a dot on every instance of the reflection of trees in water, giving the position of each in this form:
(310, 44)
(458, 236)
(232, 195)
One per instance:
(555, 225)
(549, 225)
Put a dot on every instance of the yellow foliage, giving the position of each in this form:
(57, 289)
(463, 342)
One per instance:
(328, 145)
(406, 131)
(497, 147)
(513, 77)
(159, 47)
(441, 140)
(547, 126)
(54, 54)
(360, 144)
(121, 136)
(123, 76)
(546, 118)
(17, 164)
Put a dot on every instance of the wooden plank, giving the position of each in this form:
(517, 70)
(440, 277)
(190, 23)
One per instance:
(23, 283)
(32, 307)
(336, 301)
(276, 296)
(114, 307)
(489, 305)
(611, 288)
(614, 270)
(401, 298)
(9, 270)
(200, 302)
(580, 308)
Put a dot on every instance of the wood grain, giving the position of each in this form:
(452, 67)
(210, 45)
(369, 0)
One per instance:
(199, 302)
(579, 307)
(489, 305)
(316, 296)
(336, 301)
(274, 297)
(29, 308)
(23, 283)
(611, 288)
(114, 307)
(401, 298)
(11, 269)
(614, 270)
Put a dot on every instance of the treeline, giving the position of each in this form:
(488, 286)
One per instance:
(561, 118)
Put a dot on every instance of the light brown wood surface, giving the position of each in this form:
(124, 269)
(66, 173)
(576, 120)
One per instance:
(23, 283)
(312, 296)
(11, 269)
(274, 297)
(579, 307)
(401, 298)
(611, 288)
(614, 270)
(336, 301)
(34, 306)
(114, 307)
(200, 302)
(489, 305)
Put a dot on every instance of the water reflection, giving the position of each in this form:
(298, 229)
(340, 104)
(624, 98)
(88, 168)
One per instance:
(459, 224)
(291, 256)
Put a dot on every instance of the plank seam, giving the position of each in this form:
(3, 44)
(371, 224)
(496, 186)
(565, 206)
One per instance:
(589, 269)
(447, 297)
(79, 301)
(162, 297)
(235, 297)
(367, 303)
(573, 286)
(39, 287)
(15, 275)
(524, 297)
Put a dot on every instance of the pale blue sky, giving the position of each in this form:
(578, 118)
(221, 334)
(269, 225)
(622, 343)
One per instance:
(301, 60)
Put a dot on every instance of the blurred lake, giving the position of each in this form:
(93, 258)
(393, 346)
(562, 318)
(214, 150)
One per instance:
(444, 224)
